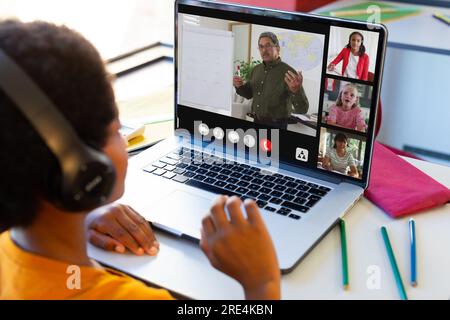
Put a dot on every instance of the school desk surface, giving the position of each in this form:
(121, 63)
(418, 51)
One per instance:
(181, 266)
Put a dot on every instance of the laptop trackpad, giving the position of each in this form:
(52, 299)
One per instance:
(181, 213)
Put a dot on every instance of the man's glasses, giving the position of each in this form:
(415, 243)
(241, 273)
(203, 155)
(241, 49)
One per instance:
(267, 46)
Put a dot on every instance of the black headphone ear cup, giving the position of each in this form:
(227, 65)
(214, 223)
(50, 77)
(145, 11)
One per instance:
(52, 183)
(89, 184)
(82, 178)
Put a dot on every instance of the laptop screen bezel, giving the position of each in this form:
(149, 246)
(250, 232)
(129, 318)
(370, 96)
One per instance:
(227, 11)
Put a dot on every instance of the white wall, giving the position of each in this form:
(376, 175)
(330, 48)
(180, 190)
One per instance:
(114, 27)
(205, 66)
(241, 49)
(416, 102)
(211, 23)
(193, 20)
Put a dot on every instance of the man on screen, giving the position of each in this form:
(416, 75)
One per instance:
(276, 88)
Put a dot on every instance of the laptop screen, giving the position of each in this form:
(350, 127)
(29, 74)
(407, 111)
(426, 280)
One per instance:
(301, 88)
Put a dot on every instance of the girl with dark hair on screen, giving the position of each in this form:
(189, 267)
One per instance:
(339, 159)
(355, 60)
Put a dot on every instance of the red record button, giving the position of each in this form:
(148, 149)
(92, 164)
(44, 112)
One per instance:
(266, 145)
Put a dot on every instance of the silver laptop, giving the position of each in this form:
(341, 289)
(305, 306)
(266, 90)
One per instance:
(275, 106)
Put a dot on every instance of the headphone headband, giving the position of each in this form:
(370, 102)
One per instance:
(87, 175)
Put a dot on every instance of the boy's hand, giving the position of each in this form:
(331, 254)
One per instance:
(241, 247)
(116, 227)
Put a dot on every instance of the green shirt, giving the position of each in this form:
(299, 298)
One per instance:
(271, 95)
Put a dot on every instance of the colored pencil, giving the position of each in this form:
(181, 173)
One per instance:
(390, 252)
(345, 281)
(412, 239)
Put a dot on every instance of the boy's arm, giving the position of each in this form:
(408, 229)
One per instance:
(241, 247)
(118, 227)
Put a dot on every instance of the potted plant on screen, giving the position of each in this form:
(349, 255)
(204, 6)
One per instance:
(243, 69)
(246, 68)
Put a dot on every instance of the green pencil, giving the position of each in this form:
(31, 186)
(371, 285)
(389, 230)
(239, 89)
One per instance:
(344, 256)
(390, 252)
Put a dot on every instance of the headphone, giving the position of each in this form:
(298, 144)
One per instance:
(86, 176)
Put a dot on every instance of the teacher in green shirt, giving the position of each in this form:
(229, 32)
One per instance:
(276, 88)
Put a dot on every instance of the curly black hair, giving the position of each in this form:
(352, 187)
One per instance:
(71, 72)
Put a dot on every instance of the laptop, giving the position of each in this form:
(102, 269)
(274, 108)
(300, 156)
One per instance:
(274, 106)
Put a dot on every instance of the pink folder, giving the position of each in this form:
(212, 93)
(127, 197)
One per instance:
(399, 188)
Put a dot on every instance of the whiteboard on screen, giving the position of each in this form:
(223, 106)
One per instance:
(206, 71)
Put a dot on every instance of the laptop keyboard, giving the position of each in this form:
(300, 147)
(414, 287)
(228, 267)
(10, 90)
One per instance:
(273, 192)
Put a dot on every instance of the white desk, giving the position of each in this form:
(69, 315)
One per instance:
(181, 266)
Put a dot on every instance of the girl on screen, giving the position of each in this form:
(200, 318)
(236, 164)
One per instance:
(355, 60)
(339, 159)
(346, 111)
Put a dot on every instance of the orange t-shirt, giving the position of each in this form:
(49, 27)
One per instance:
(24, 275)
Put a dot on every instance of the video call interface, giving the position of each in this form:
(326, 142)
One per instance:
(276, 77)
